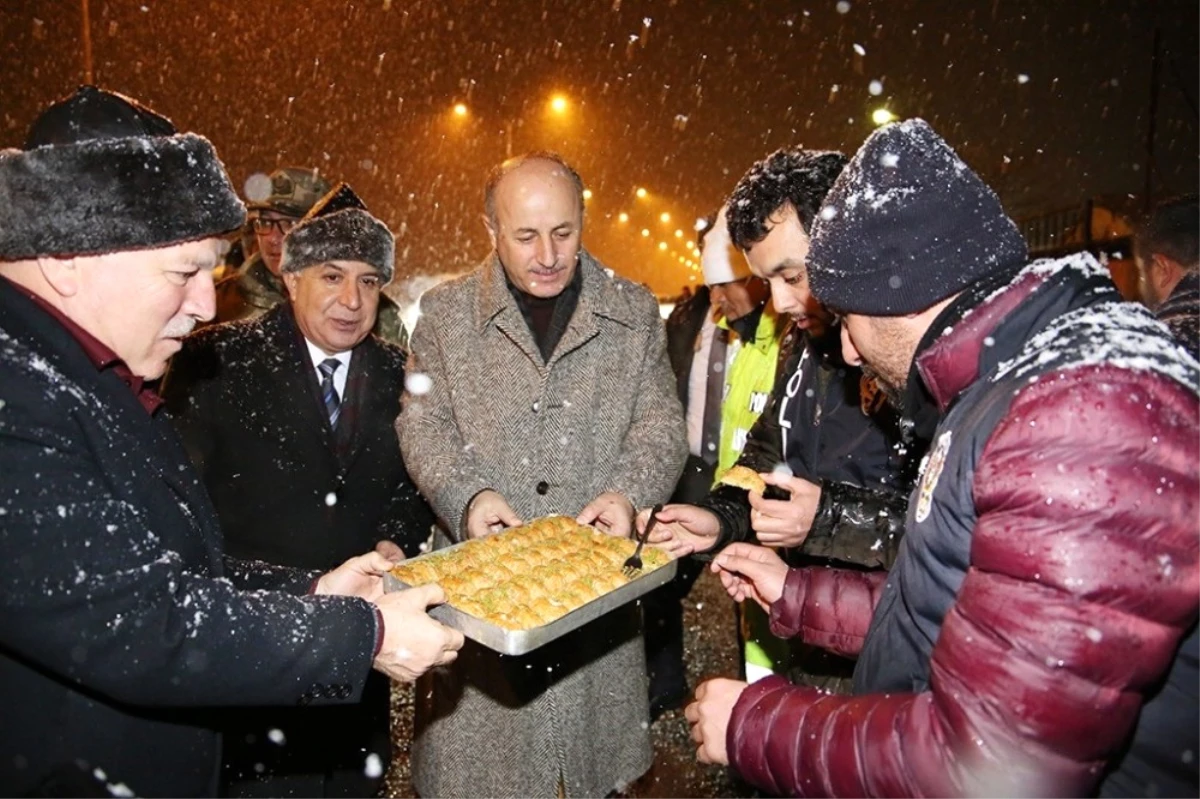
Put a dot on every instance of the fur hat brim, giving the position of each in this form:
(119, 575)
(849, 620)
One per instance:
(348, 235)
(110, 195)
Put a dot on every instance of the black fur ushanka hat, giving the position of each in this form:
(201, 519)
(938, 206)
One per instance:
(100, 173)
(338, 228)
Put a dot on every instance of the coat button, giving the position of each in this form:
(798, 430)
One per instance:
(543, 487)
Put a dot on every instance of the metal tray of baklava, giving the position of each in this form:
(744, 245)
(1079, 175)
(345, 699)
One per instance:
(519, 642)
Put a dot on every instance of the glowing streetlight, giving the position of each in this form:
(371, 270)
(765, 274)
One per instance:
(587, 194)
(691, 245)
(662, 245)
(679, 234)
(460, 109)
(622, 217)
(664, 217)
(645, 233)
(641, 194)
(882, 116)
(558, 104)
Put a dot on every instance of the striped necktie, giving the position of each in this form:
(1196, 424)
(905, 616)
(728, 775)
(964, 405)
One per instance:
(333, 405)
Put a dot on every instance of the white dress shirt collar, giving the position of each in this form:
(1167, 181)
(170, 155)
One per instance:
(339, 377)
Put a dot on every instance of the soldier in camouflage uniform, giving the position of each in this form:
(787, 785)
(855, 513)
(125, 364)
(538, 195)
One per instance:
(256, 287)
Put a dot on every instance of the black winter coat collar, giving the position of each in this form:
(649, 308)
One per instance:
(26, 322)
(289, 488)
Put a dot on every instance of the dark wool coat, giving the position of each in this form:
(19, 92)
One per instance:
(118, 617)
(601, 415)
(1037, 633)
(289, 489)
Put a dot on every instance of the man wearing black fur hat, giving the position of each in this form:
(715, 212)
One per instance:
(288, 418)
(1037, 633)
(121, 618)
(258, 286)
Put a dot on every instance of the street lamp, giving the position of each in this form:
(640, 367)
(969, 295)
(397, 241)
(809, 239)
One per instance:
(882, 116)
(558, 104)
(622, 217)
(641, 194)
(460, 109)
(587, 194)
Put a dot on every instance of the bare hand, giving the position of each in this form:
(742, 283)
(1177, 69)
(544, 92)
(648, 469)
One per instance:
(709, 716)
(360, 576)
(390, 550)
(681, 529)
(785, 523)
(413, 643)
(609, 513)
(751, 572)
(490, 513)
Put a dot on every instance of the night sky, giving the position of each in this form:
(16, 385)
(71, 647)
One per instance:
(1048, 100)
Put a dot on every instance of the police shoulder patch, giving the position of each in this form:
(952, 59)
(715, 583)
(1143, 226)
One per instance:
(929, 478)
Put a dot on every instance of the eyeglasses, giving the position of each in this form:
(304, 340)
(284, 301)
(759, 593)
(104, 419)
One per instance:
(262, 224)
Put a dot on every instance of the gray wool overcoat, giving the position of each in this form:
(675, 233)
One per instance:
(601, 415)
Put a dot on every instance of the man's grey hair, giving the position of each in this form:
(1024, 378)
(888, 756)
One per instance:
(498, 172)
(1172, 229)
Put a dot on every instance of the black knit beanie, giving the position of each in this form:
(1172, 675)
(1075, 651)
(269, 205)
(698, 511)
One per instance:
(906, 225)
(338, 228)
(100, 173)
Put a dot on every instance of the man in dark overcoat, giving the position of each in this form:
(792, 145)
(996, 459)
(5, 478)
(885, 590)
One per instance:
(123, 624)
(288, 418)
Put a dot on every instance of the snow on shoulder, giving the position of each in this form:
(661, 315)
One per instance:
(1120, 334)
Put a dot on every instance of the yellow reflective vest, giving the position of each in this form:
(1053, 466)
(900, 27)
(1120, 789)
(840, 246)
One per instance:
(748, 383)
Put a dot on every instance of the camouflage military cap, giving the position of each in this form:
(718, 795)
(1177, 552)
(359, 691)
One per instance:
(292, 190)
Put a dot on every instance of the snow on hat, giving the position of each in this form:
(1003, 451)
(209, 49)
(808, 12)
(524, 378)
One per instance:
(338, 228)
(906, 225)
(100, 173)
(719, 260)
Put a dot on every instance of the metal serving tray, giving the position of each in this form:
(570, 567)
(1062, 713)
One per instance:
(519, 642)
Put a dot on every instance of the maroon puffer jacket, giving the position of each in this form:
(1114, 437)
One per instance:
(1114, 630)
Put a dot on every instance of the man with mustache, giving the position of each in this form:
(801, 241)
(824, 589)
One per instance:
(124, 626)
(258, 285)
(548, 391)
(288, 419)
(1037, 634)
(826, 441)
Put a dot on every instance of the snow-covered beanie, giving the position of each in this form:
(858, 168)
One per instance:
(100, 173)
(719, 260)
(906, 225)
(338, 228)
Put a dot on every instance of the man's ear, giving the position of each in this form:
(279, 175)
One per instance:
(1163, 274)
(290, 280)
(62, 274)
(487, 223)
